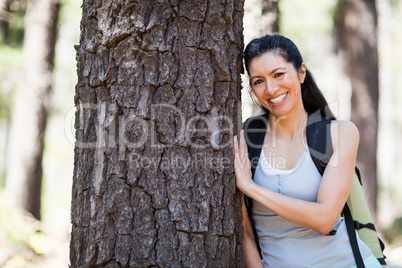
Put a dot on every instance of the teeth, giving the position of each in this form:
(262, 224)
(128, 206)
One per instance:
(278, 99)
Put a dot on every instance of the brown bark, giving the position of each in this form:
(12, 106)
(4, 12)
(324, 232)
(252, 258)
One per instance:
(24, 172)
(356, 28)
(158, 99)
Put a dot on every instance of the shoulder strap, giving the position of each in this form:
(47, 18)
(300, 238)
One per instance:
(350, 227)
(318, 134)
(254, 133)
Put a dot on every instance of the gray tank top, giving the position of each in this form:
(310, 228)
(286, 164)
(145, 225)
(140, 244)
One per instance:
(286, 244)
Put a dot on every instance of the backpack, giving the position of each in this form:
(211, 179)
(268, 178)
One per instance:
(355, 212)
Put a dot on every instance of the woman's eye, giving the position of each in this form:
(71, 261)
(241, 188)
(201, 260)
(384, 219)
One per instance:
(278, 75)
(257, 82)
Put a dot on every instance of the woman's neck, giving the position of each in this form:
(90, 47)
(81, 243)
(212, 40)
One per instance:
(289, 125)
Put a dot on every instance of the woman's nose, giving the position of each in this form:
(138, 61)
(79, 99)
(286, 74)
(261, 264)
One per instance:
(271, 87)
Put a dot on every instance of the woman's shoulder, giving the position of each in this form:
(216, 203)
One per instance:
(345, 126)
(345, 131)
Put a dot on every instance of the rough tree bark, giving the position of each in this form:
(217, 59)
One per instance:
(158, 99)
(24, 171)
(356, 30)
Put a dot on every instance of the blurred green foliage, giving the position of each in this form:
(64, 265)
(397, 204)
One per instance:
(10, 57)
(19, 229)
(13, 227)
(21, 238)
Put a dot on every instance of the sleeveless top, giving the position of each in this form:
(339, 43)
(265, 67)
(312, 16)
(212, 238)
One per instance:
(286, 244)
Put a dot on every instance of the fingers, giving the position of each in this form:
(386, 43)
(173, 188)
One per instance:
(243, 145)
(242, 142)
(237, 161)
(242, 148)
(235, 145)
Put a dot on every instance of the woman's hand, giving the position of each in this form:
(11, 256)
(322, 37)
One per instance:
(242, 164)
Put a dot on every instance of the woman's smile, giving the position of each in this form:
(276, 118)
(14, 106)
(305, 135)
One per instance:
(278, 100)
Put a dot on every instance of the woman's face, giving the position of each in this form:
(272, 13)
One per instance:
(276, 83)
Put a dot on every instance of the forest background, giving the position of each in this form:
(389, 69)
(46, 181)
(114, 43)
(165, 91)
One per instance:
(28, 242)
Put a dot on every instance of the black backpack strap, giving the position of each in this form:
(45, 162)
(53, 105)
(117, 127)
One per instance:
(357, 171)
(318, 134)
(254, 133)
(350, 226)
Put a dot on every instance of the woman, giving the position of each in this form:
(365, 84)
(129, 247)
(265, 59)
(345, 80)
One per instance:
(294, 208)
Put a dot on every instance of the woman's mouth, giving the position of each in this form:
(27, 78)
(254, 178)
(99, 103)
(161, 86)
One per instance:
(278, 100)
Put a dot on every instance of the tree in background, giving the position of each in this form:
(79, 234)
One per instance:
(12, 14)
(356, 32)
(24, 171)
(270, 12)
(4, 19)
(262, 18)
(158, 100)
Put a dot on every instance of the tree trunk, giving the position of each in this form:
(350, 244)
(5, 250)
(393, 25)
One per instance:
(356, 28)
(261, 18)
(4, 20)
(158, 100)
(24, 172)
(270, 11)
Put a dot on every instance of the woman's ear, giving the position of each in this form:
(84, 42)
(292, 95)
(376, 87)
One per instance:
(302, 72)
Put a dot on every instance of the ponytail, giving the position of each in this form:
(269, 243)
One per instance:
(313, 99)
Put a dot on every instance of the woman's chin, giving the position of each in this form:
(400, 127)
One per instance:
(277, 111)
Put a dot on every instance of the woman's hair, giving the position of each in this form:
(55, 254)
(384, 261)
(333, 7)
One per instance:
(312, 97)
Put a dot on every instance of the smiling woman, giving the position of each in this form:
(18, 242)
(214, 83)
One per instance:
(293, 209)
(276, 83)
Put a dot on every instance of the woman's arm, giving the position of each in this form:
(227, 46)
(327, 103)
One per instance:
(251, 254)
(333, 191)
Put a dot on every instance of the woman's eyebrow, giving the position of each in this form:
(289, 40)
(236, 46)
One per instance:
(274, 70)
(277, 68)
